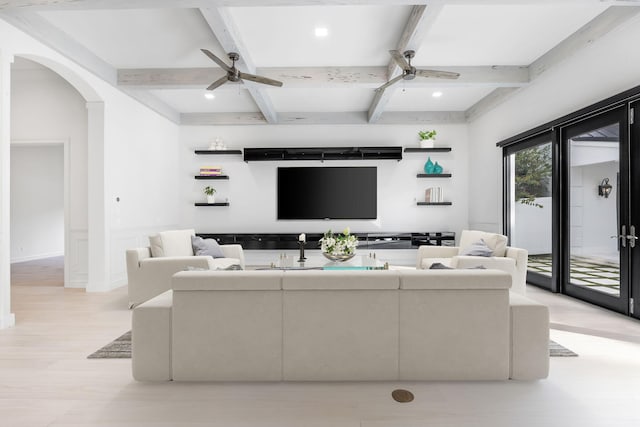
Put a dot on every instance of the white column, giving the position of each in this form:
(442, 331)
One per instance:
(99, 272)
(7, 319)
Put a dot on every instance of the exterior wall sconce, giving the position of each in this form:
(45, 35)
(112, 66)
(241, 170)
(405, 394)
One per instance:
(604, 189)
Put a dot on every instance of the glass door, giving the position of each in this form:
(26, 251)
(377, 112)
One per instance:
(529, 213)
(596, 247)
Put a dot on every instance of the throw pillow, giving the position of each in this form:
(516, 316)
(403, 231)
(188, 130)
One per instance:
(156, 246)
(439, 266)
(206, 247)
(478, 248)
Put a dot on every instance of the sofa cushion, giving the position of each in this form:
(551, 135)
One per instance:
(176, 242)
(206, 247)
(339, 279)
(497, 242)
(478, 248)
(454, 279)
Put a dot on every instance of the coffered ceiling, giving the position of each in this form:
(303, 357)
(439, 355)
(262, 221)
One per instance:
(151, 50)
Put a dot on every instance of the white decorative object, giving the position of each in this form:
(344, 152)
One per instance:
(302, 238)
(426, 143)
(211, 199)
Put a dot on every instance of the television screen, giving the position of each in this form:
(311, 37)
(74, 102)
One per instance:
(327, 193)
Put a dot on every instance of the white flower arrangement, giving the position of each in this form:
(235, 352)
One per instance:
(339, 244)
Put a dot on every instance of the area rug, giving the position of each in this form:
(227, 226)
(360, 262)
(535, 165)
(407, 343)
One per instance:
(120, 348)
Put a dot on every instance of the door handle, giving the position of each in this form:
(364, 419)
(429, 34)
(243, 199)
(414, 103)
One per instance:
(623, 237)
(631, 237)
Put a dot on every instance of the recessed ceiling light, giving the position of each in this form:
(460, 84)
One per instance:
(436, 94)
(209, 95)
(322, 31)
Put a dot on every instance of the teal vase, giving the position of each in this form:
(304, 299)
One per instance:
(437, 169)
(428, 167)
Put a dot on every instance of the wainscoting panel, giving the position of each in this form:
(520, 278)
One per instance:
(78, 259)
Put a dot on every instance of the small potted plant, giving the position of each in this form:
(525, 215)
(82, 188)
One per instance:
(427, 137)
(210, 191)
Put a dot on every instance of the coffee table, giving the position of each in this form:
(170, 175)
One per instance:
(358, 262)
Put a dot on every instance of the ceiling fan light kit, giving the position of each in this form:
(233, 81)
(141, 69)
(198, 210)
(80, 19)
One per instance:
(233, 74)
(409, 72)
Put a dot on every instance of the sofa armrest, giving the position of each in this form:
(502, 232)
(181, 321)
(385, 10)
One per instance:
(428, 251)
(234, 251)
(134, 256)
(519, 255)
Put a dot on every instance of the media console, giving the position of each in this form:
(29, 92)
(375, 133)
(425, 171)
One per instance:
(371, 241)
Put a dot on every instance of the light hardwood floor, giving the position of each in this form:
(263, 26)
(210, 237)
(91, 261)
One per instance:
(46, 380)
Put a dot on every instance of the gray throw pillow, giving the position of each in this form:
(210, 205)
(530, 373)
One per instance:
(478, 248)
(206, 247)
(439, 266)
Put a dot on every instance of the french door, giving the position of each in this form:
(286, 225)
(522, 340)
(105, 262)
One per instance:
(598, 240)
(634, 205)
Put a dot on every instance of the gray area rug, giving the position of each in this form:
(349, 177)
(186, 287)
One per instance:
(120, 348)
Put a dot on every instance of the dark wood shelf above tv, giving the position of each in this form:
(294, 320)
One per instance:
(434, 175)
(323, 153)
(211, 177)
(212, 204)
(218, 151)
(434, 203)
(427, 150)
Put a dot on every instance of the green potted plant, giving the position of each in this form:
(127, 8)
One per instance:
(210, 191)
(427, 138)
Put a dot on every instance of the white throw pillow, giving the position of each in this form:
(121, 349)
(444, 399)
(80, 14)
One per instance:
(156, 246)
(497, 242)
(172, 243)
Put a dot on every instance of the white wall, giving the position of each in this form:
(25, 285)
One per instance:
(593, 218)
(596, 72)
(531, 229)
(37, 202)
(251, 189)
(136, 159)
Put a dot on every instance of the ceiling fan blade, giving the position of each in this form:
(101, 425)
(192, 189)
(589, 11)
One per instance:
(399, 58)
(217, 60)
(217, 83)
(259, 79)
(437, 74)
(389, 83)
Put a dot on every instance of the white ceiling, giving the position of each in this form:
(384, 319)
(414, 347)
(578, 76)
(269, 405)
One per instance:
(141, 34)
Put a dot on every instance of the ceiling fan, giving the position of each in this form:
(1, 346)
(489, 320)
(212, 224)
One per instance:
(233, 75)
(410, 72)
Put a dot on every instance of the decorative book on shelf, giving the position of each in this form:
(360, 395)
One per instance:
(433, 195)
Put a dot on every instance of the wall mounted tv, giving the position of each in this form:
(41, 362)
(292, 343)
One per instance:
(327, 192)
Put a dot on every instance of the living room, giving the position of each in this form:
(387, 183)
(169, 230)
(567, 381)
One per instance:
(130, 170)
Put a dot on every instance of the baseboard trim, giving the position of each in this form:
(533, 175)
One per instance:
(36, 257)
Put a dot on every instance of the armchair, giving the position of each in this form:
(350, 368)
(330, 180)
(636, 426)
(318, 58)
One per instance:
(149, 269)
(509, 259)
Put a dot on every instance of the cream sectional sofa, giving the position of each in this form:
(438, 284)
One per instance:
(149, 269)
(310, 325)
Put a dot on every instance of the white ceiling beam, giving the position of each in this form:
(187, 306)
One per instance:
(599, 26)
(323, 118)
(40, 29)
(419, 21)
(489, 102)
(602, 24)
(321, 77)
(222, 26)
(35, 5)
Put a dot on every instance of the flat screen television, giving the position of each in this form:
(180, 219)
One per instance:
(327, 192)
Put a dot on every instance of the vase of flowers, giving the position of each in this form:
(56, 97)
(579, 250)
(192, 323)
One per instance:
(339, 247)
